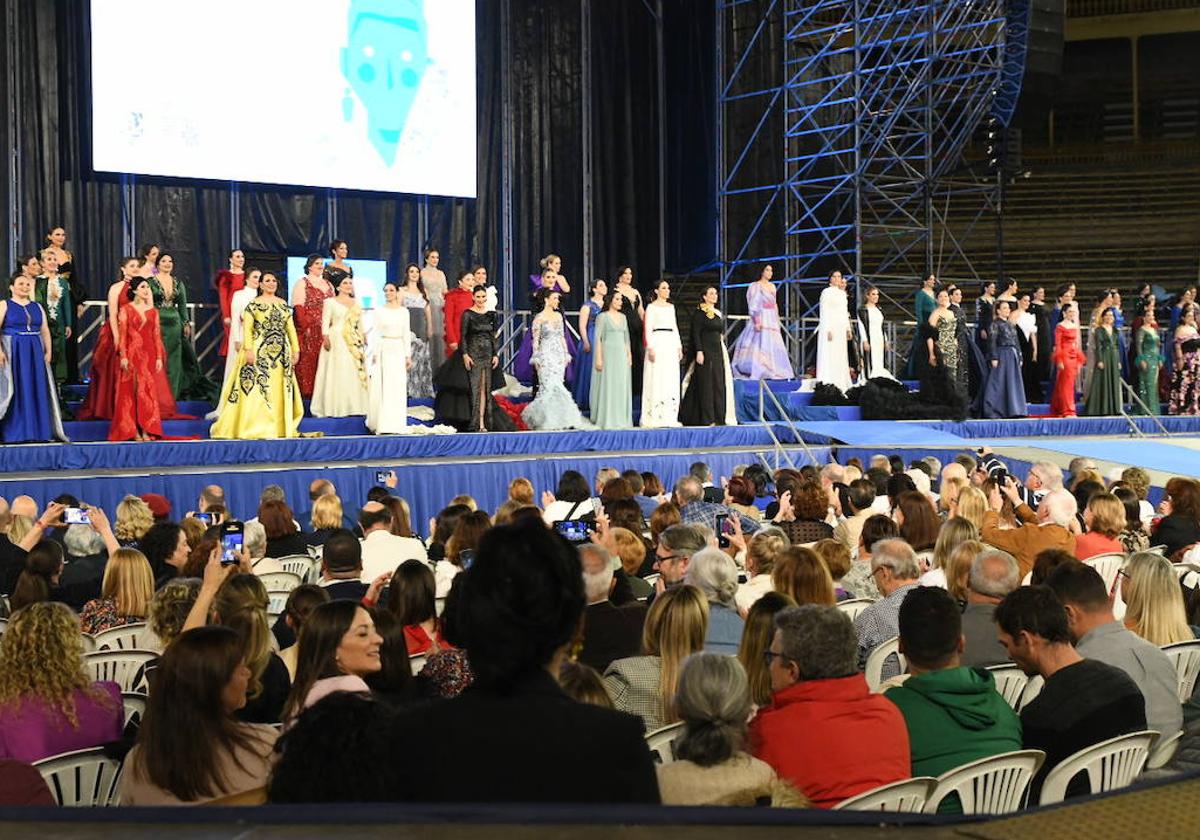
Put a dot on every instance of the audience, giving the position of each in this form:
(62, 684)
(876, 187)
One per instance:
(134, 519)
(169, 609)
(715, 575)
(1180, 524)
(861, 578)
(572, 499)
(327, 516)
(993, 575)
(301, 602)
(954, 532)
(125, 593)
(894, 568)
(631, 550)
(338, 649)
(341, 566)
(1133, 534)
(801, 575)
(917, 521)
(469, 528)
(1154, 606)
(609, 632)
(1048, 528)
(861, 496)
(674, 551)
(393, 682)
(1104, 519)
(411, 600)
(166, 548)
(836, 560)
(760, 630)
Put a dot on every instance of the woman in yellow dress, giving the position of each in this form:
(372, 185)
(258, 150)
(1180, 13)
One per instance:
(261, 397)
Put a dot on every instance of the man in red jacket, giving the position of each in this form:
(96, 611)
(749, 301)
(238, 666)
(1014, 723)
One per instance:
(825, 732)
(457, 302)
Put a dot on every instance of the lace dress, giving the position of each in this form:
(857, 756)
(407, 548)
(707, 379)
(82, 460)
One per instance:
(1185, 381)
(420, 376)
(553, 407)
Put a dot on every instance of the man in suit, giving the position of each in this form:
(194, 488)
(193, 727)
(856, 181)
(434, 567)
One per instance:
(609, 632)
(341, 566)
(513, 735)
(1048, 528)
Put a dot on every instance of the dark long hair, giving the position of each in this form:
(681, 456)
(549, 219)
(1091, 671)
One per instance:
(420, 282)
(187, 731)
(316, 657)
(411, 594)
(395, 671)
(44, 561)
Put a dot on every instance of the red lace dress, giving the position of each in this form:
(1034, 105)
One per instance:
(143, 394)
(98, 402)
(308, 331)
(228, 282)
(1068, 354)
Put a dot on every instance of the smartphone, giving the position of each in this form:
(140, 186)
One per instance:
(232, 537)
(382, 476)
(206, 518)
(76, 516)
(466, 558)
(572, 530)
(722, 530)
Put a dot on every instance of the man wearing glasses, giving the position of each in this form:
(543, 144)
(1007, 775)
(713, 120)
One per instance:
(894, 570)
(676, 545)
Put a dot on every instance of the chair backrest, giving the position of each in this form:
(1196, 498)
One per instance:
(662, 742)
(276, 602)
(1107, 565)
(1110, 765)
(874, 667)
(280, 581)
(126, 637)
(1185, 656)
(416, 662)
(135, 707)
(906, 797)
(1010, 682)
(853, 606)
(127, 668)
(3, 625)
(1032, 689)
(83, 778)
(298, 564)
(1163, 751)
(994, 785)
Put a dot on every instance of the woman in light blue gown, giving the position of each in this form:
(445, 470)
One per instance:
(612, 377)
(553, 407)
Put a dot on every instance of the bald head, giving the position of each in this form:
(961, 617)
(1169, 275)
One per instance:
(320, 487)
(994, 573)
(374, 517)
(24, 506)
(954, 470)
(211, 496)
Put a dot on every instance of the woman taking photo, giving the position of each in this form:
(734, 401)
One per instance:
(582, 388)
(612, 385)
(708, 386)
(340, 387)
(308, 301)
(420, 325)
(339, 648)
(29, 409)
(391, 365)
(553, 407)
(664, 352)
(191, 747)
(125, 593)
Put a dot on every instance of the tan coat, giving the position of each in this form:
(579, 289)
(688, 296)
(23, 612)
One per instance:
(1028, 540)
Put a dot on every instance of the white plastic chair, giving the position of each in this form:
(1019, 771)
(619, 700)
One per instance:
(1010, 682)
(127, 668)
(906, 797)
(83, 778)
(439, 604)
(854, 606)
(662, 742)
(3, 625)
(1110, 765)
(994, 785)
(276, 602)
(135, 706)
(298, 564)
(416, 662)
(1107, 565)
(1185, 656)
(875, 660)
(1032, 689)
(127, 637)
(280, 581)
(1163, 751)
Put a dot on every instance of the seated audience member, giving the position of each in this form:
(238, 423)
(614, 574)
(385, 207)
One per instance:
(994, 574)
(341, 567)
(411, 600)
(862, 497)
(1099, 636)
(448, 670)
(1043, 476)
(124, 594)
(894, 567)
(972, 506)
(703, 475)
(675, 628)
(1048, 528)
(694, 510)
(169, 609)
(440, 529)
(338, 650)
(760, 630)
(1083, 701)
(801, 575)
(674, 551)
(48, 705)
(383, 550)
(645, 501)
(1105, 520)
(394, 681)
(468, 530)
(341, 736)
(631, 550)
(191, 747)
(572, 499)
(301, 602)
(824, 731)
(22, 784)
(954, 532)
(327, 517)
(761, 553)
(402, 526)
(160, 506)
(516, 613)
(134, 519)
(739, 496)
(959, 569)
(88, 548)
(609, 632)
(953, 713)
(837, 560)
(1046, 562)
(583, 684)
(1154, 605)
(1138, 480)
(166, 548)
(713, 701)
(861, 579)
(803, 517)
(1133, 536)
(254, 543)
(918, 522)
(715, 575)
(284, 538)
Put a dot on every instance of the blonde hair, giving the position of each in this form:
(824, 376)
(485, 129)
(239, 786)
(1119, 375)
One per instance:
(464, 499)
(764, 549)
(955, 530)
(801, 574)
(241, 605)
(1138, 480)
(41, 655)
(972, 505)
(170, 606)
(128, 580)
(835, 556)
(629, 547)
(521, 490)
(327, 512)
(1108, 514)
(756, 639)
(958, 567)
(134, 519)
(675, 628)
(19, 528)
(1153, 600)
(193, 530)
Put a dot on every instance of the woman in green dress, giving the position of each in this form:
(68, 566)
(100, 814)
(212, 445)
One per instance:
(1104, 391)
(612, 361)
(926, 302)
(183, 369)
(1148, 358)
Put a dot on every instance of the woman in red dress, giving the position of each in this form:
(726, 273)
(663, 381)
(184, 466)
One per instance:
(98, 403)
(230, 280)
(143, 392)
(1068, 357)
(308, 301)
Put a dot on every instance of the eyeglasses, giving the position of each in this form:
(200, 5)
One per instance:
(662, 559)
(768, 655)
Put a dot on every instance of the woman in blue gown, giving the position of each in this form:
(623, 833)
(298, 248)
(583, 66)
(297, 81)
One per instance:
(587, 332)
(1004, 390)
(29, 408)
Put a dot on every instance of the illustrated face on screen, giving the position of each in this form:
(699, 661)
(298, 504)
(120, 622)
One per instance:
(384, 61)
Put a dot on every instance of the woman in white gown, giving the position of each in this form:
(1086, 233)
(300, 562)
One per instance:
(237, 306)
(664, 352)
(553, 407)
(871, 342)
(340, 388)
(391, 358)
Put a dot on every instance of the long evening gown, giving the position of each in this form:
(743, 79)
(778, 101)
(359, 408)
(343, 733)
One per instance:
(263, 400)
(553, 407)
(237, 307)
(308, 331)
(636, 338)
(1067, 353)
(458, 301)
(708, 388)
(1148, 352)
(1027, 337)
(1104, 397)
(183, 369)
(660, 378)
(924, 305)
(870, 331)
(985, 311)
(1004, 390)
(29, 408)
(79, 293)
(1045, 346)
(142, 388)
(938, 383)
(582, 386)
(464, 397)
(759, 352)
(420, 377)
(612, 387)
(54, 294)
(833, 330)
(229, 283)
(387, 403)
(434, 281)
(98, 403)
(340, 387)
(1185, 380)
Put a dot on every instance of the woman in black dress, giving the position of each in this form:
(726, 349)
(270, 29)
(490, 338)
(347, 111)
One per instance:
(634, 312)
(706, 398)
(466, 380)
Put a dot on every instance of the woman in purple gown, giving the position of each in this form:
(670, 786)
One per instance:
(759, 352)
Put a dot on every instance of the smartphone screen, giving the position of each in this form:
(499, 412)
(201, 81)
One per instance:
(232, 537)
(76, 516)
(572, 530)
(382, 476)
(723, 530)
(206, 518)
(466, 558)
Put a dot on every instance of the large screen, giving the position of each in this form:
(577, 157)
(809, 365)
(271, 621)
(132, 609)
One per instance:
(354, 94)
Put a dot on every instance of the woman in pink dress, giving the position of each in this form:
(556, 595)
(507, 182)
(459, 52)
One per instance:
(760, 352)
(308, 302)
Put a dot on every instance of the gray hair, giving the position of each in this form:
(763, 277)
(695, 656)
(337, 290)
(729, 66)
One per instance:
(605, 475)
(272, 493)
(683, 539)
(819, 639)
(1049, 473)
(596, 584)
(689, 489)
(833, 471)
(934, 464)
(715, 574)
(254, 539)
(1060, 506)
(713, 701)
(82, 541)
(994, 573)
(1080, 464)
(898, 556)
